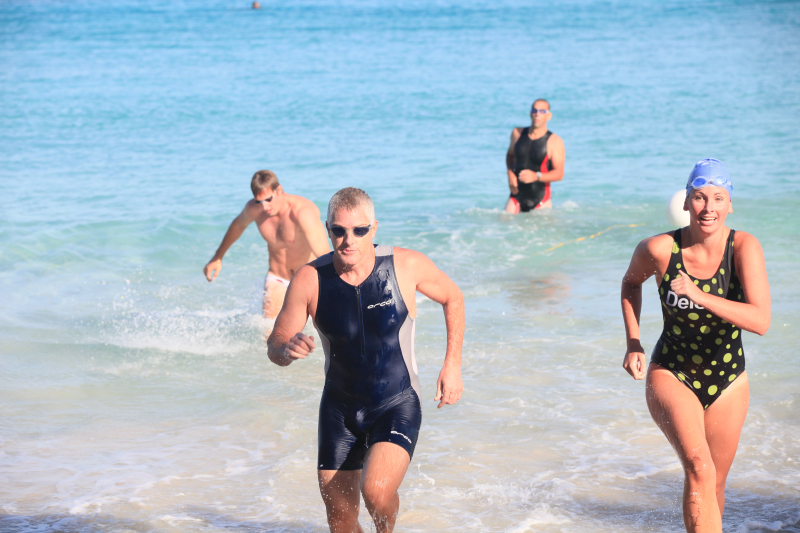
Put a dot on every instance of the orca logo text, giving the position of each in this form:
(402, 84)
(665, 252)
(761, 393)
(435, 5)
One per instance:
(387, 302)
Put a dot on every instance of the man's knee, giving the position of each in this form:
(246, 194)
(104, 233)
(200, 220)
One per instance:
(378, 497)
(341, 500)
(341, 514)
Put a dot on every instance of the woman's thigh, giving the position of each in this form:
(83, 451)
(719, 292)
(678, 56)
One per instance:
(723, 423)
(679, 414)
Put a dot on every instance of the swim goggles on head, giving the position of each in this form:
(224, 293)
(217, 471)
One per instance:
(709, 172)
(358, 231)
(717, 181)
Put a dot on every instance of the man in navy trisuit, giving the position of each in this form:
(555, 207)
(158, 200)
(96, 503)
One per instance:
(361, 297)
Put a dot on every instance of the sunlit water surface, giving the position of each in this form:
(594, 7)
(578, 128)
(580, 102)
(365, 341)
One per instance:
(135, 396)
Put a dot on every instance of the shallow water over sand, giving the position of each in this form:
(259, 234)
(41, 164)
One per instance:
(138, 397)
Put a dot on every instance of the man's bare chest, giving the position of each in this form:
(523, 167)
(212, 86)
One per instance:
(280, 233)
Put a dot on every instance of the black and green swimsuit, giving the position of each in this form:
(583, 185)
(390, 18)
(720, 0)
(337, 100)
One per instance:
(702, 350)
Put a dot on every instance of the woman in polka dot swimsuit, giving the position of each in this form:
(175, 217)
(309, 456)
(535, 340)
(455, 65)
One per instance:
(712, 284)
(701, 349)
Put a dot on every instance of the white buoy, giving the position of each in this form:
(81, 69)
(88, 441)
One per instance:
(675, 213)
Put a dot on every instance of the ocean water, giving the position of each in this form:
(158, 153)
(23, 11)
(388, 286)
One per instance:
(136, 397)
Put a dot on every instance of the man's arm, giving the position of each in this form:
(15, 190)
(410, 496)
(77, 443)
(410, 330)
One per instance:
(235, 231)
(312, 227)
(437, 286)
(558, 157)
(511, 161)
(287, 343)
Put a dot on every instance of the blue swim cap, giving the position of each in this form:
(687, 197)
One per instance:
(709, 172)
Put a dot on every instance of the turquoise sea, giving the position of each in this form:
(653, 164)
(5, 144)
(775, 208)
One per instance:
(137, 397)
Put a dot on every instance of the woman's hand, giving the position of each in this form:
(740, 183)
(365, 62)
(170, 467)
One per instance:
(683, 285)
(635, 361)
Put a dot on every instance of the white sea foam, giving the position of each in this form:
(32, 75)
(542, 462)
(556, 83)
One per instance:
(540, 516)
(756, 526)
(139, 397)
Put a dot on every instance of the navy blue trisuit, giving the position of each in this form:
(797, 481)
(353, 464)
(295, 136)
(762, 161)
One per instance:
(371, 389)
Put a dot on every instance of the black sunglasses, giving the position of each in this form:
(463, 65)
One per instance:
(358, 231)
(264, 200)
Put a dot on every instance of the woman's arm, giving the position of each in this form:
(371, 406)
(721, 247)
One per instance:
(643, 265)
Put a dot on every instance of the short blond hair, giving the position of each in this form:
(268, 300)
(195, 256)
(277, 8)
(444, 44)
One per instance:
(351, 199)
(262, 180)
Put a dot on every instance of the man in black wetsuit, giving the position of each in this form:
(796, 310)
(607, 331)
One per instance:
(534, 160)
(361, 298)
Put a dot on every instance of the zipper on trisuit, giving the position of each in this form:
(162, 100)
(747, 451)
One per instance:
(360, 321)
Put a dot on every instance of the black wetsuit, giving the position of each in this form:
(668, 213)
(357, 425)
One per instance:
(701, 349)
(371, 386)
(531, 155)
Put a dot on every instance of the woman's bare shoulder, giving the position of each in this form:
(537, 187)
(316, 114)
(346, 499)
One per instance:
(659, 245)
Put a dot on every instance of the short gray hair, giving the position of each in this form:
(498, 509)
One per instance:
(351, 199)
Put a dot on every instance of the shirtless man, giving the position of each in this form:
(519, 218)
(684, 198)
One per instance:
(292, 228)
(534, 160)
(362, 300)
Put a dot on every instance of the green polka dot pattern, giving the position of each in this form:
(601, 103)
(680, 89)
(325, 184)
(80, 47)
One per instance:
(688, 329)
